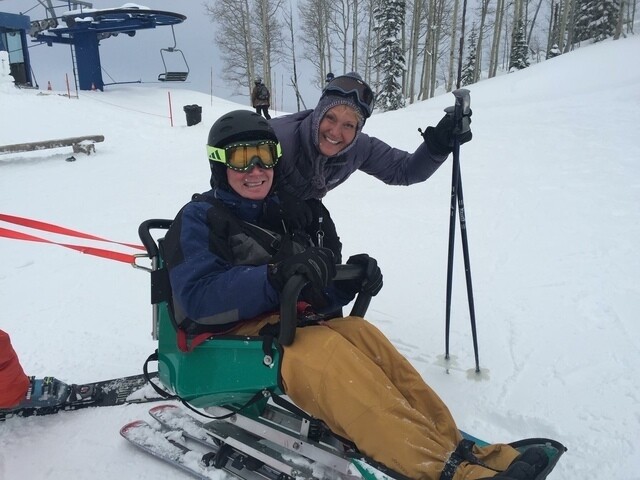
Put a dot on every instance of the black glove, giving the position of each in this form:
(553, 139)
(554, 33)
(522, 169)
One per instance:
(294, 211)
(316, 264)
(439, 139)
(371, 283)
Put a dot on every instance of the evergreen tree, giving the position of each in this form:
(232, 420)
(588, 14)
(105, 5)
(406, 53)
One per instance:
(390, 62)
(519, 50)
(596, 20)
(469, 69)
(554, 51)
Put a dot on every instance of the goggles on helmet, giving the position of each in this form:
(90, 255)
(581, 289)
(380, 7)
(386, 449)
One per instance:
(346, 85)
(242, 157)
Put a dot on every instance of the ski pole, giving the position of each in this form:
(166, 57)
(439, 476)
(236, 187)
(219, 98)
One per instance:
(461, 112)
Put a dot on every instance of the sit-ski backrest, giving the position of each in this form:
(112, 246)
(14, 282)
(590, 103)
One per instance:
(224, 370)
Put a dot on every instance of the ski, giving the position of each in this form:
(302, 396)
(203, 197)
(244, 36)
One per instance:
(193, 452)
(49, 395)
(167, 446)
(274, 454)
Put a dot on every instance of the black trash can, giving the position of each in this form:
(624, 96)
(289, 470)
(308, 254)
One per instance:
(194, 114)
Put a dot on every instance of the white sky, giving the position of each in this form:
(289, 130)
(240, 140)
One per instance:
(552, 188)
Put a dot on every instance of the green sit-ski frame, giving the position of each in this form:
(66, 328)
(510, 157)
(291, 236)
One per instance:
(223, 370)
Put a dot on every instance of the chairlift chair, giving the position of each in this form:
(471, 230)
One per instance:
(173, 76)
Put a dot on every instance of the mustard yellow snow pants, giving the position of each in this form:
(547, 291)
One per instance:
(347, 373)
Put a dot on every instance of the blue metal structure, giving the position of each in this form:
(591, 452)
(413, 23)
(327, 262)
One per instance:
(13, 39)
(84, 29)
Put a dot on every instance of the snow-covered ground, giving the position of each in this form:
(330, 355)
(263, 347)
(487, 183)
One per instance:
(552, 189)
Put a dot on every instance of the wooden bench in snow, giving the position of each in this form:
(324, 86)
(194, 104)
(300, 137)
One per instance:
(84, 144)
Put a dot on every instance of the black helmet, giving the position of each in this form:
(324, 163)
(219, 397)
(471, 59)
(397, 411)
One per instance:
(233, 127)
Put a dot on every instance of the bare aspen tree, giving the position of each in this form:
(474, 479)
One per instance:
(313, 19)
(326, 4)
(452, 46)
(517, 15)
(571, 26)
(289, 22)
(428, 53)
(339, 25)
(562, 23)
(234, 39)
(533, 22)
(262, 7)
(368, 41)
(553, 25)
(403, 46)
(484, 8)
(620, 21)
(435, 57)
(355, 36)
(495, 44)
(414, 42)
(567, 24)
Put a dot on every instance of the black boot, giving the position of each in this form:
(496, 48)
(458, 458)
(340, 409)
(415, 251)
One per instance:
(536, 457)
(526, 466)
(518, 471)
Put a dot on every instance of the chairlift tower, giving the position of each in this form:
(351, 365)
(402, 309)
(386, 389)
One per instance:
(83, 27)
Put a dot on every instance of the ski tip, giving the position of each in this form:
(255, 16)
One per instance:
(162, 408)
(130, 426)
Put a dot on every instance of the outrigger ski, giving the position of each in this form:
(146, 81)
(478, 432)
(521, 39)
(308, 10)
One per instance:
(49, 395)
(282, 450)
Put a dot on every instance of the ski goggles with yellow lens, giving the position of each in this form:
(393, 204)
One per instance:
(242, 157)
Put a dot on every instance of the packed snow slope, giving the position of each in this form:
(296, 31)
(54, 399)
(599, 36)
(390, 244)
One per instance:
(551, 186)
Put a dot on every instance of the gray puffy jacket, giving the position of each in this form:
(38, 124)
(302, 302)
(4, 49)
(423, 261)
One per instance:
(309, 174)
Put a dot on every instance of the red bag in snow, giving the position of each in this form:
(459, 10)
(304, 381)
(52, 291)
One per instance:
(13, 381)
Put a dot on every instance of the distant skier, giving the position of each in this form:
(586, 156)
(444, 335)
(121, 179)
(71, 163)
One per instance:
(330, 76)
(261, 98)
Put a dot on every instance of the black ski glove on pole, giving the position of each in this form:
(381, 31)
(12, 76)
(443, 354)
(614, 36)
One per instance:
(294, 211)
(371, 283)
(439, 139)
(316, 264)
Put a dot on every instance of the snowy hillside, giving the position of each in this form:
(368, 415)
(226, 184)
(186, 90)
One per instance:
(552, 188)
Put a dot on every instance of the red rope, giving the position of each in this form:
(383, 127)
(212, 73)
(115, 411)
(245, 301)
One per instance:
(49, 227)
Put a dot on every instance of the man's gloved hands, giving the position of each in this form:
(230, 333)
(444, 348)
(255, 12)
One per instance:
(316, 264)
(439, 139)
(372, 280)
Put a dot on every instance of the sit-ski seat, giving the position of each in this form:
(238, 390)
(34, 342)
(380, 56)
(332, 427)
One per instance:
(222, 370)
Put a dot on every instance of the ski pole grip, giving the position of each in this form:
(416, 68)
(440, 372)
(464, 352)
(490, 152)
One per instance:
(462, 110)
